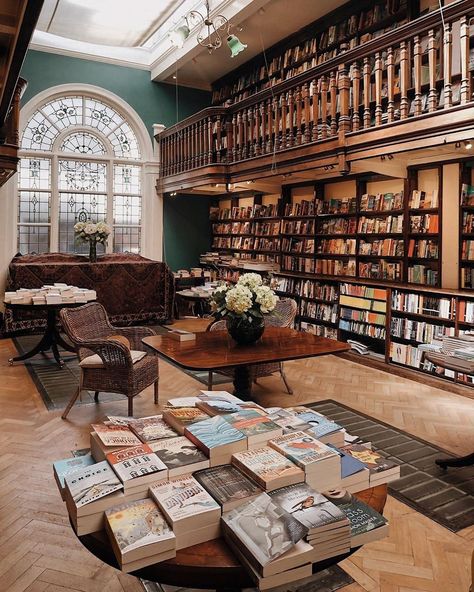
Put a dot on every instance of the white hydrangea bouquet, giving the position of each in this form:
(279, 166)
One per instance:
(243, 306)
(92, 233)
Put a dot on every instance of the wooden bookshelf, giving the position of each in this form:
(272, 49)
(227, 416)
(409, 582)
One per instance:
(466, 226)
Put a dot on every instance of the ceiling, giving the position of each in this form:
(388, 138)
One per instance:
(113, 32)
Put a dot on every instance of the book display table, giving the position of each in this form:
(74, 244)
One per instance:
(212, 564)
(214, 350)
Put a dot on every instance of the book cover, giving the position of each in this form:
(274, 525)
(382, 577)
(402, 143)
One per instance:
(350, 465)
(182, 498)
(133, 462)
(226, 484)
(308, 506)
(183, 416)
(70, 465)
(219, 396)
(302, 448)
(177, 452)
(320, 425)
(252, 423)
(375, 462)
(361, 517)
(212, 433)
(138, 524)
(265, 529)
(115, 435)
(266, 464)
(149, 429)
(91, 483)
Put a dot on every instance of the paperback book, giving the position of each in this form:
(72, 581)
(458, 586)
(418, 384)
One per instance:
(67, 466)
(256, 427)
(227, 485)
(381, 470)
(322, 428)
(217, 438)
(137, 466)
(181, 417)
(180, 455)
(150, 429)
(268, 468)
(89, 484)
(115, 435)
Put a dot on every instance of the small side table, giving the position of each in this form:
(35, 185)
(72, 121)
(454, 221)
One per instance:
(51, 338)
(198, 301)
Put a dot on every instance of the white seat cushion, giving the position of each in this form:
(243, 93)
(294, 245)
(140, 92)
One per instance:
(95, 360)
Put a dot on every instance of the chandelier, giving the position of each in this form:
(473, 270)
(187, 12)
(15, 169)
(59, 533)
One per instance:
(211, 31)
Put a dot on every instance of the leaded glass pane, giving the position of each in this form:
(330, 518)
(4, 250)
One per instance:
(39, 134)
(127, 209)
(127, 239)
(127, 178)
(83, 143)
(35, 173)
(75, 175)
(78, 207)
(101, 116)
(34, 207)
(33, 239)
(124, 142)
(64, 112)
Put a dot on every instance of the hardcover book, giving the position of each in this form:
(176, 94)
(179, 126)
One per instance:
(89, 484)
(150, 429)
(264, 529)
(180, 455)
(268, 468)
(185, 503)
(67, 466)
(137, 530)
(216, 437)
(181, 417)
(133, 463)
(227, 485)
(115, 435)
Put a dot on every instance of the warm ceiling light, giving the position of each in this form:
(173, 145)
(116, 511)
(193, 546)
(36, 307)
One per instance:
(467, 144)
(235, 45)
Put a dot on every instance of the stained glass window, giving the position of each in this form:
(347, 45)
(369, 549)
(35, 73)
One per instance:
(99, 181)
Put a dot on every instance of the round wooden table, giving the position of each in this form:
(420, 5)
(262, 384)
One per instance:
(51, 338)
(212, 565)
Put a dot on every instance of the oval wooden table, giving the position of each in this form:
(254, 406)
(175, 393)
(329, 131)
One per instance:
(212, 565)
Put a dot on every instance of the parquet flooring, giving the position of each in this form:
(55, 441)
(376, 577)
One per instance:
(39, 552)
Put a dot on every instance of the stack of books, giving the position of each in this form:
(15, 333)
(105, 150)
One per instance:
(228, 486)
(110, 438)
(181, 417)
(192, 513)
(326, 431)
(180, 456)
(257, 428)
(137, 467)
(380, 469)
(217, 439)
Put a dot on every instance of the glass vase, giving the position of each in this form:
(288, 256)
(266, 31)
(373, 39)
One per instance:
(244, 332)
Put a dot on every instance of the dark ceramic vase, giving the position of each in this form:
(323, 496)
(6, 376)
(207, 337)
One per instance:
(243, 332)
(92, 251)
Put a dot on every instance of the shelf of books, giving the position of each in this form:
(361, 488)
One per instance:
(466, 225)
(424, 235)
(346, 28)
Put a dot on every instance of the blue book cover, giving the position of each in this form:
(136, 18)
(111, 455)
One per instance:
(213, 432)
(69, 465)
(348, 466)
(320, 426)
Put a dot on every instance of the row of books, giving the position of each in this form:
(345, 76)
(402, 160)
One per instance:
(367, 292)
(423, 304)
(381, 270)
(467, 195)
(337, 246)
(424, 249)
(467, 277)
(362, 302)
(298, 226)
(298, 245)
(299, 264)
(381, 202)
(314, 289)
(467, 223)
(423, 200)
(373, 331)
(385, 225)
(420, 331)
(363, 316)
(467, 250)
(387, 247)
(246, 212)
(339, 226)
(406, 354)
(318, 310)
(344, 267)
(303, 208)
(424, 224)
(345, 205)
(175, 511)
(422, 274)
(320, 330)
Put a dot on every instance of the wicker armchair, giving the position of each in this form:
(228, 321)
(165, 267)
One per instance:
(90, 331)
(283, 316)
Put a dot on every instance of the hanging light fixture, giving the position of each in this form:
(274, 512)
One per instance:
(211, 31)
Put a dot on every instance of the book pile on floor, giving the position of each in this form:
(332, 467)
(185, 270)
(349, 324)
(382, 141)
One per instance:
(276, 483)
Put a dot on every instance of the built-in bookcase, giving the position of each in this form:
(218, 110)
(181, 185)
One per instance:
(466, 226)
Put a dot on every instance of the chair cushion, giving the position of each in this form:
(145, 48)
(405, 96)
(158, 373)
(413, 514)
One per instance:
(95, 361)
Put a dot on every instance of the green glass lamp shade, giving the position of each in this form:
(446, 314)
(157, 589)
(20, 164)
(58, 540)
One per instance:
(179, 35)
(235, 45)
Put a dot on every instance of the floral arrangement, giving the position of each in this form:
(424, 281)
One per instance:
(89, 232)
(247, 300)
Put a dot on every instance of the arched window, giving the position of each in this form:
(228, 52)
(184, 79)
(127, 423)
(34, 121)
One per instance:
(80, 160)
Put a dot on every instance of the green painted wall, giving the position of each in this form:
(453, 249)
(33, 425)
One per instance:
(186, 219)
(188, 230)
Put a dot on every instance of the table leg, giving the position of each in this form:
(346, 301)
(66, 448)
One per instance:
(243, 382)
(64, 344)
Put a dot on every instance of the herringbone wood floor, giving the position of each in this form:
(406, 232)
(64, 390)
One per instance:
(39, 552)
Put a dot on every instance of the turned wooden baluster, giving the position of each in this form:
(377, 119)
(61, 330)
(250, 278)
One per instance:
(163, 156)
(291, 118)
(366, 74)
(192, 131)
(324, 107)
(355, 70)
(269, 124)
(417, 75)
(230, 139)
(432, 98)
(276, 123)
(344, 91)
(240, 127)
(465, 91)
(390, 84)
(333, 106)
(447, 66)
(263, 117)
(403, 80)
(190, 147)
(188, 137)
(299, 105)
(258, 129)
(218, 138)
(235, 137)
(378, 89)
(250, 126)
(315, 111)
(168, 155)
(284, 120)
(176, 153)
(182, 165)
(245, 136)
(209, 140)
(307, 115)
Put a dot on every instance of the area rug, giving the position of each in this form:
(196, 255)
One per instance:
(445, 496)
(56, 386)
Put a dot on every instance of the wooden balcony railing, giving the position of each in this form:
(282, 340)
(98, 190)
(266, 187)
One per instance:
(422, 67)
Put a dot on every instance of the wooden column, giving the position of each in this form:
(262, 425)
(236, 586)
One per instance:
(465, 73)
(390, 84)
(299, 104)
(218, 138)
(324, 107)
(344, 91)
(291, 117)
(448, 62)
(403, 80)
(276, 123)
(333, 99)
(241, 135)
(366, 74)
(258, 129)
(355, 70)
(251, 128)
(432, 98)
(378, 89)
(307, 105)
(315, 110)
(269, 124)
(284, 140)
(263, 117)
(209, 140)
(230, 139)
(417, 72)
